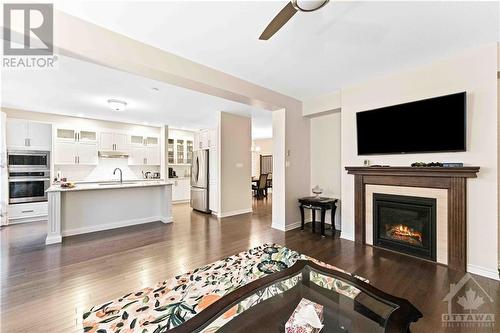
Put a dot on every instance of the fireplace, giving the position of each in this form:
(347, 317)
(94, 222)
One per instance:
(405, 224)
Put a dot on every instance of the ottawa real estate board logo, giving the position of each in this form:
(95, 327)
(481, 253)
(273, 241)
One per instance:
(28, 36)
(466, 300)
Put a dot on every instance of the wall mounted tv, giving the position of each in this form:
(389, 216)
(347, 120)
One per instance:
(431, 125)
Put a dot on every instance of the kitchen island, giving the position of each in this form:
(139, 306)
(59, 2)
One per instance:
(90, 207)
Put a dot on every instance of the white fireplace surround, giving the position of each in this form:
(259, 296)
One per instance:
(441, 196)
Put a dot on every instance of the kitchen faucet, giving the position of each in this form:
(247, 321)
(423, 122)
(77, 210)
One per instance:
(121, 174)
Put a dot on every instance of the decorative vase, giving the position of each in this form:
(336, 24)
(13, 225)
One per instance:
(317, 191)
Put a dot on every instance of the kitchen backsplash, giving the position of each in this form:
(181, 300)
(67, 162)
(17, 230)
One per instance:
(182, 170)
(104, 170)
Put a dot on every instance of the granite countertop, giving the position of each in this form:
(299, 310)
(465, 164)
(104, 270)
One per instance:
(109, 185)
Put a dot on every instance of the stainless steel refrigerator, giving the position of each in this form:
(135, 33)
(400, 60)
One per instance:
(199, 181)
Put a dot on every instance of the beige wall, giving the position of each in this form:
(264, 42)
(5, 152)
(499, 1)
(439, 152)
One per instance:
(266, 148)
(325, 157)
(235, 164)
(323, 104)
(473, 71)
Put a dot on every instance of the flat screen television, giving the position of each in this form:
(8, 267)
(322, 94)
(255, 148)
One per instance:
(431, 125)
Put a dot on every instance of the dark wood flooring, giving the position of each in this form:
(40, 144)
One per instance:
(47, 288)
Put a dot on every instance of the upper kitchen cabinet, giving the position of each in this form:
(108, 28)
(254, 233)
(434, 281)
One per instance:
(144, 150)
(28, 135)
(205, 139)
(75, 147)
(141, 140)
(144, 156)
(202, 139)
(171, 153)
(181, 144)
(76, 135)
(113, 141)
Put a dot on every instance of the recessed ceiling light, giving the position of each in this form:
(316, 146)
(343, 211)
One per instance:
(145, 123)
(80, 115)
(117, 105)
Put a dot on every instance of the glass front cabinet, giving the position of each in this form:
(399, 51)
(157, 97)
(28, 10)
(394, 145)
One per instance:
(180, 151)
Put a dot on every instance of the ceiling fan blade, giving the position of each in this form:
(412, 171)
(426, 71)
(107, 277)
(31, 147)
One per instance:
(278, 21)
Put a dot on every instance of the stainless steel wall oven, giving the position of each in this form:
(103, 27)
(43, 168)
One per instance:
(29, 176)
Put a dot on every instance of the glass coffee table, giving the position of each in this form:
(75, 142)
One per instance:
(265, 305)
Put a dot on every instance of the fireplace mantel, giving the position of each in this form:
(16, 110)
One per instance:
(465, 172)
(451, 179)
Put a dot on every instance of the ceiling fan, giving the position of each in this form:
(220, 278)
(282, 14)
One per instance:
(287, 12)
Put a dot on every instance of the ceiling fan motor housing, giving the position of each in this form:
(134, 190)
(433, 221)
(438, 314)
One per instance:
(308, 5)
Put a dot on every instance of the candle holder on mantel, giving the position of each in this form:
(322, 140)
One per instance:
(317, 191)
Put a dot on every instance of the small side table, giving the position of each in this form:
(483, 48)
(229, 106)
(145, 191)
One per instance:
(318, 203)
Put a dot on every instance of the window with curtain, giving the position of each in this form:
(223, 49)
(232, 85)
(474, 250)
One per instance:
(266, 164)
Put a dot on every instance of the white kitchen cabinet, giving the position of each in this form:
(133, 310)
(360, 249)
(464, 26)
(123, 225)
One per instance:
(68, 134)
(106, 141)
(39, 136)
(26, 212)
(65, 153)
(203, 139)
(75, 146)
(17, 131)
(151, 141)
(144, 140)
(87, 154)
(181, 190)
(65, 135)
(87, 136)
(152, 156)
(136, 156)
(144, 156)
(28, 135)
(113, 141)
(75, 153)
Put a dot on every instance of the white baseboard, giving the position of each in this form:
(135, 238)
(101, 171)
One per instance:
(180, 201)
(345, 235)
(166, 220)
(235, 212)
(296, 225)
(120, 224)
(292, 226)
(28, 219)
(53, 240)
(486, 272)
(278, 227)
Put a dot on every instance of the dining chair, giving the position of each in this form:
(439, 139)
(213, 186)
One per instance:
(261, 187)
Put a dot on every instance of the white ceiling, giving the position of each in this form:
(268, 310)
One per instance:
(315, 53)
(82, 89)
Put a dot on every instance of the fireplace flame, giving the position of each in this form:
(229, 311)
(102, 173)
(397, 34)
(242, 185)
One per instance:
(405, 233)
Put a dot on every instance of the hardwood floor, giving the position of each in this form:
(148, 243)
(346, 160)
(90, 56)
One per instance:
(47, 288)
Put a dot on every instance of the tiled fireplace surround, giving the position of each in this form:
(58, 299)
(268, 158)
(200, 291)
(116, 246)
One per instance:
(446, 185)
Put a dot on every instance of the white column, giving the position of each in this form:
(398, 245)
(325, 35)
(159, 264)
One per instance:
(54, 223)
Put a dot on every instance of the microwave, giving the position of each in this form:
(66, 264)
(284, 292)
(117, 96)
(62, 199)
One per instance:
(26, 159)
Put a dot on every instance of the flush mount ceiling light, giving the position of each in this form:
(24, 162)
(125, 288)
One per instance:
(117, 105)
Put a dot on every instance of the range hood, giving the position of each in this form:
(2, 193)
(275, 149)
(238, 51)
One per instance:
(112, 154)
